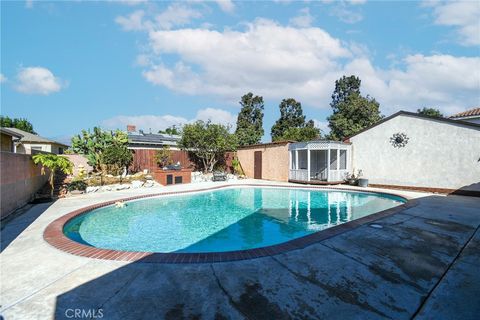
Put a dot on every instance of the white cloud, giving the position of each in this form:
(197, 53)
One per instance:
(3, 78)
(156, 123)
(303, 20)
(217, 116)
(38, 80)
(226, 5)
(356, 2)
(345, 14)
(174, 15)
(278, 61)
(444, 81)
(133, 22)
(322, 125)
(143, 60)
(273, 59)
(29, 4)
(130, 2)
(464, 15)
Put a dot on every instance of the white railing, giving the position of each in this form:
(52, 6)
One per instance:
(302, 175)
(298, 174)
(337, 175)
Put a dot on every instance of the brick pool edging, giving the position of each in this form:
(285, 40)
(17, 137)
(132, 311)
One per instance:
(54, 235)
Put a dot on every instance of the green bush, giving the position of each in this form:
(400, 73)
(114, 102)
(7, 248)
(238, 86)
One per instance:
(77, 185)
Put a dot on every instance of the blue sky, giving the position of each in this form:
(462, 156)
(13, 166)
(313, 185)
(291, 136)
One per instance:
(72, 65)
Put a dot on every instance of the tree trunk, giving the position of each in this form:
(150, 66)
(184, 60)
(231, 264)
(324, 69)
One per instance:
(52, 182)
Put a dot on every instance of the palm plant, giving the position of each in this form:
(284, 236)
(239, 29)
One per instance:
(54, 163)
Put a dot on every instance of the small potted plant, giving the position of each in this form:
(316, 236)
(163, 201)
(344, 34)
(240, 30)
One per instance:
(353, 178)
(362, 182)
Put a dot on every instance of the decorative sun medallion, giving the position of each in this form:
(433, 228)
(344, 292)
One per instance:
(399, 140)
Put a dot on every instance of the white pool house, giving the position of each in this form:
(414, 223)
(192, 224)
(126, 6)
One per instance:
(320, 161)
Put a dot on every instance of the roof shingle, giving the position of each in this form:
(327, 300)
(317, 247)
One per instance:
(468, 113)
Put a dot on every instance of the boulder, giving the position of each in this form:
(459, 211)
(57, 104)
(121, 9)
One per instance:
(91, 189)
(106, 188)
(137, 184)
(149, 184)
(122, 186)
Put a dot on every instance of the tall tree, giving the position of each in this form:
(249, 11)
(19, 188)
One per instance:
(307, 133)
(250, 120)
(18, 123)
(351, 112)
(430, 112)
(93, 144)
(291, 116)
(207, 141)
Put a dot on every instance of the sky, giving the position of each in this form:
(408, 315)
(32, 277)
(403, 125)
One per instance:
(73, 65)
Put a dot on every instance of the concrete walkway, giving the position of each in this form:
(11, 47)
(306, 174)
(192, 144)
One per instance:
(423, 263)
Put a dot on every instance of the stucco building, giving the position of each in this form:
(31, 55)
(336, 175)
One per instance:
(8, 139)
(410, 150)
(269, 161)
(472, 115)
(31, 142)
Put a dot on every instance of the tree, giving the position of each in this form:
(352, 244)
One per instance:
(18, 123)
(93, 144)
(208, 142)
(432, 112)
(116, 157)
(53, 162)
(173, 130)
(307, 133)
(250, 120)
(344, 88)
(291, 116)
(163, 157)
(351, 112)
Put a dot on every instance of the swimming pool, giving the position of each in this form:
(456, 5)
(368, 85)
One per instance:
(230, 219)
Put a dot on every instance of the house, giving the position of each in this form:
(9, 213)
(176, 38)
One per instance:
(472, 115)
(141, 140)
(8, 139)
(31, 142)
(409, 150)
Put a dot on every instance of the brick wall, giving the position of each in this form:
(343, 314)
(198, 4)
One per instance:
(20, 179)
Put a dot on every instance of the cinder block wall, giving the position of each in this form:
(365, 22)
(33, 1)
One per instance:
(20, 179)
(275, 160)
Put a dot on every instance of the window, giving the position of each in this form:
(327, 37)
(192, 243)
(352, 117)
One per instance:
(294, 160)
(36, 148)
(343, 159)
(60, 150)
(333, 159)
(302, 159)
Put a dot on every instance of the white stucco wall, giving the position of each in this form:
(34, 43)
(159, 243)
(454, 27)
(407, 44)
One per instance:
(437, 155)
(53, 148)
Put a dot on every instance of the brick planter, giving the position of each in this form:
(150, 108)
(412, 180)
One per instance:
(167, 177)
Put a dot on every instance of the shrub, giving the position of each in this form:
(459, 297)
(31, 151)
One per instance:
(77, 185)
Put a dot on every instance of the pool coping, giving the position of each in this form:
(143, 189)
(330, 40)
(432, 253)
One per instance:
(53, 233)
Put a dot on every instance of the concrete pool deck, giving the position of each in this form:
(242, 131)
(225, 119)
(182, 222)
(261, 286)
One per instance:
(423, 263)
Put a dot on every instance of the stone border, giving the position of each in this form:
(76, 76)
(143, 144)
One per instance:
(54, 235)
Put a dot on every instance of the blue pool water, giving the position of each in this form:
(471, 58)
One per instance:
(223, 220)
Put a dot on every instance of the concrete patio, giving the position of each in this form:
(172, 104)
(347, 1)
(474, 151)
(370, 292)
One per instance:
(422, 263)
